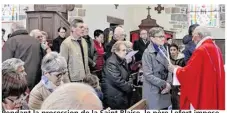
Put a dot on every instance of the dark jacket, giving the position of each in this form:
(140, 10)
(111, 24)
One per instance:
(26, 48)
(115, 83)
(175, 99)
(108, 49)
(57, 44)
(189, 47)
(141, 46)
(92, 54)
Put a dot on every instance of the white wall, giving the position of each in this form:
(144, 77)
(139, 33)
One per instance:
(96, 17)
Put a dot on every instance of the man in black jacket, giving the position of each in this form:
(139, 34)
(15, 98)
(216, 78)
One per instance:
(57, 41)
(140, 45)
(92, 54)
(189, 44)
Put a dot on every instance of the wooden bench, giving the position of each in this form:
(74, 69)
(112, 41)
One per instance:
(141, 105)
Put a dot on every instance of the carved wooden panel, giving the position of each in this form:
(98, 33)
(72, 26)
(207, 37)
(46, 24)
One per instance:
(115, 20)
(50, 7)
(47, 21)
(33, 22)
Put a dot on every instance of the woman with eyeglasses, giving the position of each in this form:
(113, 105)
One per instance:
(14, 86)
(157, 78)
(115, 84)
(54, 69)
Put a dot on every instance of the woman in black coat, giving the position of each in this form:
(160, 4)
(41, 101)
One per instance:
(176, 58)
(115, 85)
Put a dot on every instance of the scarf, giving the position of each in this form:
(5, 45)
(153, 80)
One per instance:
(48, 84)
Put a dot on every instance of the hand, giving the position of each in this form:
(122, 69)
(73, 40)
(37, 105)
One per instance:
(167, 89)
(94, 64)
(129, 60)
(171, 67)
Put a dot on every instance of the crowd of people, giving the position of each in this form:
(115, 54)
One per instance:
(81, 72)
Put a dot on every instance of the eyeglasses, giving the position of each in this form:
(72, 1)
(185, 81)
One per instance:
(18, 99)
(58, 75)
(160, 36)
(39, 36)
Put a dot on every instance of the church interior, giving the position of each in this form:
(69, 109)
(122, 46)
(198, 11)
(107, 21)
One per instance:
(173, 18)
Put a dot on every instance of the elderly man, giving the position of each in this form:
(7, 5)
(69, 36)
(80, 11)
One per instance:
(119, 35)
(92, 54)
(26, 48)
(202, 80)
(54, 68)
(74, 49)
(73, 96)
(14, 68)
(141, 44)
(37, 34)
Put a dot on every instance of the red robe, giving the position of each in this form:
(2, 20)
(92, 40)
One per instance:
(203, 79)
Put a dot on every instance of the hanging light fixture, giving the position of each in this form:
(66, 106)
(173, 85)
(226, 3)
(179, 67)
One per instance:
(116, 5)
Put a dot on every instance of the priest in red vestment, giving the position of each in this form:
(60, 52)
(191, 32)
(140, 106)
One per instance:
(202, 80)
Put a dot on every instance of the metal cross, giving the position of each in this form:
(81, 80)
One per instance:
(159, 8)
(148, 8)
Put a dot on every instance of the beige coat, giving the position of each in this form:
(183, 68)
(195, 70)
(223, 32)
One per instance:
(70, 49)
(38, 94)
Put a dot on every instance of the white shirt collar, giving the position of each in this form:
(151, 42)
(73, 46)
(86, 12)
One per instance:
(203, 40)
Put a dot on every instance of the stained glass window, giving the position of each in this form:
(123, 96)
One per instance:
(10, 12)
(205, 15)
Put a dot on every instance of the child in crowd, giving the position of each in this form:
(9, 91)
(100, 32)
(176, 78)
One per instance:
(93, 81)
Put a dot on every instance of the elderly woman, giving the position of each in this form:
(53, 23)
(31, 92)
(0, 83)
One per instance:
(115, 82)
(157, 79)
(45, 44)
(54, 67)
(14, 85)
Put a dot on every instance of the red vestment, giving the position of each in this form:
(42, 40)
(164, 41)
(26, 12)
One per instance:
(203, 79)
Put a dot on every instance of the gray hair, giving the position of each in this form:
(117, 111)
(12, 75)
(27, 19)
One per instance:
(75, 22)
(116, 46)
(154, 31)
(33, 32)
(72, 96)
(53, 62)
(202, 31)
(12, 64)
(17, 26)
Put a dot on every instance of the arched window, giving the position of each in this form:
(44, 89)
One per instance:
(205, 15)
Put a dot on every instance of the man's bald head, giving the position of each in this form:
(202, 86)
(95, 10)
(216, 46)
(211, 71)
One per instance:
(119, 34)
(75, 96)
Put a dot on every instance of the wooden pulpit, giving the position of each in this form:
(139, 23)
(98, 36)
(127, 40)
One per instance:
(147, 24)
